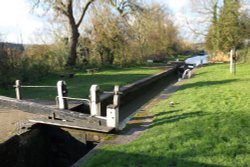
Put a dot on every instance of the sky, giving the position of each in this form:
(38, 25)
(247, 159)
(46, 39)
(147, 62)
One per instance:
(19, 25)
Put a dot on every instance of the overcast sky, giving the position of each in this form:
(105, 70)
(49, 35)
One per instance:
(18, 25)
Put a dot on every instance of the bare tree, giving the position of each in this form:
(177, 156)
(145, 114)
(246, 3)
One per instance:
(206, 12)
(67, 9)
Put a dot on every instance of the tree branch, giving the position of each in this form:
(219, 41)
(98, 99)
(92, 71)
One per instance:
(61, 7)
(193, 30)
(116, 7)
(84, 11)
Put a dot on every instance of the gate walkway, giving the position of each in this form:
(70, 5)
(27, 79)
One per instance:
(64, 118)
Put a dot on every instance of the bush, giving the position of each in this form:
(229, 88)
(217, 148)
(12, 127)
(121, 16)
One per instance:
(28, 66)
(244, 55)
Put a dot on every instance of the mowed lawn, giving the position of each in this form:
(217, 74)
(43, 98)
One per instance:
(209, 125)
(80, 84)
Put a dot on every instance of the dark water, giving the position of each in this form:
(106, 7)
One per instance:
(43, 146)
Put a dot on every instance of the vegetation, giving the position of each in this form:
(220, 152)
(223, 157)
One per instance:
(245, 54)
(74, 11)
(31, 65)
(229, 27)
(207, 126)
(130, 34)
(113, 40)
(224, 24)
(125, 38)
(80, 84)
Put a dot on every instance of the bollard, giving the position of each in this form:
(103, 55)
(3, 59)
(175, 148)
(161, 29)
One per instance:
(113, 116)
(62, 92)
(231, 60)
(234, 61)
(113, 109)
(116, 98)
(18, 90)
(95, 103)
(187, 74)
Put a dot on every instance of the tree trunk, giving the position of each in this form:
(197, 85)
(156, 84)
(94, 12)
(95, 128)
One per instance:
(73, 40)
(231, 60)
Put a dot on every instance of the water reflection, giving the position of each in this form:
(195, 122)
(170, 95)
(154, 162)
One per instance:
(197, 60)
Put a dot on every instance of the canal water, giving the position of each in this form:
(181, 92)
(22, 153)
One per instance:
(44, 146)
(197, 60)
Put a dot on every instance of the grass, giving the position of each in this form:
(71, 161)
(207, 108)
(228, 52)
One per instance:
(208, 126)
(79, 85)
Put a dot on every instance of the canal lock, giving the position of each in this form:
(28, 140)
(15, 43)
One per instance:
(51, 146)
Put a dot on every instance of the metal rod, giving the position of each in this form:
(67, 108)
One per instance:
(111, 92)
(105, 118)
(26, 86)
(71, 98)
(107, 92)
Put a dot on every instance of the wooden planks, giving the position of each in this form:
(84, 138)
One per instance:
(36, 108)
(71, 119)
(76, 124)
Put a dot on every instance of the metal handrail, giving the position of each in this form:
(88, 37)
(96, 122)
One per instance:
(30, 86)
(71, 98)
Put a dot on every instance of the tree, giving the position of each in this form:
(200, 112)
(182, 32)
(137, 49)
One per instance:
(68, 9)
(205, 13)
(107, 34)
(157, 36)
(212, 38)
(226, 25)
(231, 29)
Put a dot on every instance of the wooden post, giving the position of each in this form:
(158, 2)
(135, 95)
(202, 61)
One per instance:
(18, 90)
(62, 92)
(113, 109)
(234, 62)
(95, 103)
(231, 60)
(113, 116)
(116, 98)
(187, 74)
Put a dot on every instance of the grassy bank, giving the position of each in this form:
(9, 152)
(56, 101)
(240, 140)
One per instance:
(208, 126)
(80, 84)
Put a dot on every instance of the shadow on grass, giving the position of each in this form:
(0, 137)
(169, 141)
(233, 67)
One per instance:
(158, 114)
(117, 158)
(207, 83)
(201, 73)
(167, 112)
(164, 119)
(176, 118)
